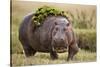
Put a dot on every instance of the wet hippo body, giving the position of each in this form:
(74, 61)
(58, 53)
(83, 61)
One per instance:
(55, 33)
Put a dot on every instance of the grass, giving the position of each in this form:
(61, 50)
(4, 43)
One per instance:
(44, 58)
(86, 39)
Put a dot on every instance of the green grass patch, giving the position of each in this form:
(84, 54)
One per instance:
(44, 58)
(86, 39)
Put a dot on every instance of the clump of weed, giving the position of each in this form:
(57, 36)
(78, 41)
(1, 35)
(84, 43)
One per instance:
(44, 12)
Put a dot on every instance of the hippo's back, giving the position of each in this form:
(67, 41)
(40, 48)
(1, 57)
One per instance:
(23, 36)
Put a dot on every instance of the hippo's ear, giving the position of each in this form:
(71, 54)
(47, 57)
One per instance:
(56, 23)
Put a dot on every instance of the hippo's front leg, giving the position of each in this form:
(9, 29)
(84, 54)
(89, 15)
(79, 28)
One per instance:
(73, 49)
(53, 54)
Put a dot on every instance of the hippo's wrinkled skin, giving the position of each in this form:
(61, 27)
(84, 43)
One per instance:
(55, 32)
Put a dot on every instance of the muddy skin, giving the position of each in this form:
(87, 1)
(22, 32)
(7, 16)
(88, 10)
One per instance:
(54, 34)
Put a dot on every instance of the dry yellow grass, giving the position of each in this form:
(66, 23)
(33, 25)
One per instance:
(25, 7)
(44, 58)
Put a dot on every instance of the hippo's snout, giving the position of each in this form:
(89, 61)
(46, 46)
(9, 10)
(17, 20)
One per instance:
(59, 40)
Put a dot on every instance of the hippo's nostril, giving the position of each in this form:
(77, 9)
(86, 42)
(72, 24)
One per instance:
(62, 39)
(59, 40)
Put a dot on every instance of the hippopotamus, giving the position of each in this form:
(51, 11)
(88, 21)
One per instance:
(56, 33)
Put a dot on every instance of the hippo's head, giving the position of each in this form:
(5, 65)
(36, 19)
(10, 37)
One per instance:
(60, 34)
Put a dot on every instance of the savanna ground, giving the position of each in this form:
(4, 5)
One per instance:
(44, 58)
(84, 22)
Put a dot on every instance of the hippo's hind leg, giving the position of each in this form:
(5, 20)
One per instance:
(73, 49)
(28, 50)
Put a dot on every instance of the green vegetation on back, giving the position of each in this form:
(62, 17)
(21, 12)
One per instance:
(44, 12)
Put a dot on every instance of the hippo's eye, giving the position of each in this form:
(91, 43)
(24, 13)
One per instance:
(67, 24)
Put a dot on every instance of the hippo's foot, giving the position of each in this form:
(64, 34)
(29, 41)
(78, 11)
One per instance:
(73, 49)
(29, 51)
(54, 55)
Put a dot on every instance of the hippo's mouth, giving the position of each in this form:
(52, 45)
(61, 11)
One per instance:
(60, 49)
